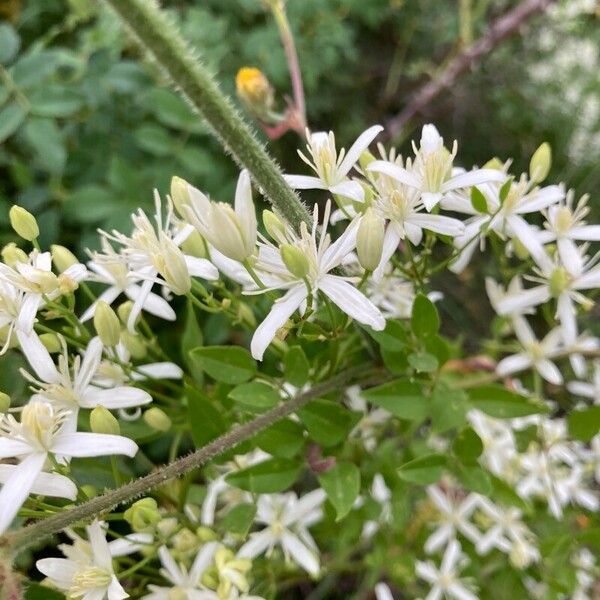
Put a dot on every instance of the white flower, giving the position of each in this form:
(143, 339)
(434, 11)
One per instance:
(41, 433)
(232, 231)
(72, 387)
(445, 580)
(431, 172)
(383, 496)
(318, 259)
(287, 520)
(152, 253)
(372, 420)
(453, 518)
(536, 354)
(332, 168)
(383, 592)
(588, 389)
(86, 575)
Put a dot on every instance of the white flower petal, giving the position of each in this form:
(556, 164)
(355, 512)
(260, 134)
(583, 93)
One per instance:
(349, 189)
(304, 182)
(118, 397)
(395, 172)
(162, 370)
(470, 178)
(200, 267)
(513, 364)
(38, 356)
(45, 484)
(84, 444)
(302, 555)
(360, 145)
(257, 544)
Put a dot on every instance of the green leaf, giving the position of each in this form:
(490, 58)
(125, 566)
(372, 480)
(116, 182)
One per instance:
(474, 478)
(478, 201)
(192, 338)
(154, 139)
(342, 486)
(328, 423)
(284, 438)
(468, 446)
(255, 396)
(423, 362)
(500, 403)
(448, 408)
(584, 424)
(11, 118)
(239, 519)
(423, 470)
(173, 112)
(45, 139)
(90, 204)
(505, 189)
(268, 477)
(295, 366)
(55, 101)
(9, 43)
(229, 364)
(402, 398)
(392, 338)
(425, 320)
(35, 591)
(206, 421)
(505, 494)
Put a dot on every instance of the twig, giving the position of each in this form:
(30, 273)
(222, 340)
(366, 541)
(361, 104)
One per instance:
(505, 26)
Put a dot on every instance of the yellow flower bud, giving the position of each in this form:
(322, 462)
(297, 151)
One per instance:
(62, 257)
(172, 266)
(103, 421)
(4, 402)
(66, 284)
(124, 310)
(206, 534)
(295, 260)
(107, 324)
(179, 194)
(274, 226)
(143, 514)
(51, 342)
(157, 419)
(369, 240)
(12, 255)
(24, 223)
(540, 163)
(494, 163)
(254, 90)
(135, 344)
(520, 251)
(195, 245)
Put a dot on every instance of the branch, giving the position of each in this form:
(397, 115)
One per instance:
(31, 534)
(505, 26)
(158, 36)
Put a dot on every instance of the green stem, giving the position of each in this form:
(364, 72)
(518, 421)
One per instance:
(158, 36)
(16, 541)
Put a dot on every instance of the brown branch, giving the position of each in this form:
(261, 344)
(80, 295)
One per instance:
(505, 26)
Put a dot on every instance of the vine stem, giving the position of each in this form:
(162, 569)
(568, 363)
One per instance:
(15, 542)
(158, 36)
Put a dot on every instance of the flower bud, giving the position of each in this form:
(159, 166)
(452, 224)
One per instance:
(124, 310)
(520, 251)
(230, 241)
(62, 257)
(369, 240)
(195, 245)
(494, 163)
(295, 260)
(206, 534)
(185, 542)
(107, 324)
(179, 194)
(103, 421)
(4, 402)
(135, 344)
(274, 226)
(254, 90)
(24, 223)
(366, 158)
(540, 163)
(143, 514)
(51, 342)
(12, 254)
(157, 419)
(66, 284)
(166, 527)
(246, 315)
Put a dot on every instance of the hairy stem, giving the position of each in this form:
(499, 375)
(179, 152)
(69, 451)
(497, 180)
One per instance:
(158, 36)
(20, 539)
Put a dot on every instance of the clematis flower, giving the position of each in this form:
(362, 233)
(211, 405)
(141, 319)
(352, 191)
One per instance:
(304, 273)
(431, 172)
(41, 434)
(331, 167)
(586, 389)
(287, 519)
(87, 574)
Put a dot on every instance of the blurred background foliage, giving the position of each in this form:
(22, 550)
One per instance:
(87, 129)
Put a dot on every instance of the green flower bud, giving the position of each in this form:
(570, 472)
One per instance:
(167, 527)
(157, 419)
(12, 254)
(62, 257)
(143, 514)
(195, 245)
(520, 251)
(369, 240)
(51, 342)
(124, 310)
(180, 194)
(246, 315)
(185, 542)
(206, 534)
(274, 226)
(366, 158)
(295, 260)
(103, 421)
(494, 163)
(4, 402)
(135, 344)
(107, 324)
(24, 223)
(540, 163)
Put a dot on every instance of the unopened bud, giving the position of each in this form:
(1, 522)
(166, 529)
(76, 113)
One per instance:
(369, 240)
(246, 314)
(62, 257)
(366, 158)
(135, 344)
(24, 223)
(4, 402)
(540, 163)
(124, 310)
(195, 245)
(254, 90)
(12, 255)
(179, 194)
(274, 226)
(521, 251)
(206, 534)
(185, 541)
(295, 260)
(172, 266)
(494, 163)
(66, 284)
(51, 342)
(157, 419)
(166, 527)
(107, 324)
(103, 421)
(143, 514)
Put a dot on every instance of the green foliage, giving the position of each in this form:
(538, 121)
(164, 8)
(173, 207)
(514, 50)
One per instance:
(342, 486)
(229, 364)
(268, 477)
